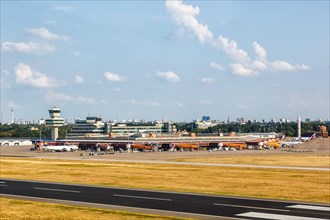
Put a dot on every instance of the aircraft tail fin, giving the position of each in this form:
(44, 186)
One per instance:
(313, 136)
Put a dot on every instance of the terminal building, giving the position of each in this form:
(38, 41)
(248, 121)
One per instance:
(90, 127)
(131, 129)
(95, 127)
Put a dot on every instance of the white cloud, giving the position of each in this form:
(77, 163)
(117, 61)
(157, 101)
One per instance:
(85, 100)
(28, 47)
(79, 79)
(240, 69)
(117, 90)
(169, 76)
(231, 49)
(303, 67)
(114, 77)
(216, 66)
(4, 84)
(185, 16)
(281, 65)
(206, 102)
(208, 80)
(25, 75)
(53, 96)
(46, 34)
(260, 52)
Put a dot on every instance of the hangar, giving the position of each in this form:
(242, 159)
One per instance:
(15, 142)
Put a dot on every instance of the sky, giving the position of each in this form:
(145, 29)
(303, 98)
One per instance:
(172, 60)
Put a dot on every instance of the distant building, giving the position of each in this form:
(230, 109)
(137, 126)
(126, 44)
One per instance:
(54, 122)
(42, 121)
(307, 120)
(91, 127)
(13, 142)
(206, 118)
(131, 129)
(241, 120)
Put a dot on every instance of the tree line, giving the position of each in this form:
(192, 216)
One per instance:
(289, 129)
(31, 131)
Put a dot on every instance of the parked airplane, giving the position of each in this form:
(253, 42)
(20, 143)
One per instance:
(289, 143)
(298, 141)
(61, 148)
(308, 138)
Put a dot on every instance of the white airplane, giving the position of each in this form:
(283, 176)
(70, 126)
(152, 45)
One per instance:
(298, 141)
(61, 148)
(289, 143)
(308, 138)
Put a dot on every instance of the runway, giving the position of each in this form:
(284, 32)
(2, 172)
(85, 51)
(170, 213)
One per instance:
(202, 205)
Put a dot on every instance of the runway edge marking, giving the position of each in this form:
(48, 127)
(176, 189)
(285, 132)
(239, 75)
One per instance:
(113, 207)
(57, 190)
(310, 207)
(142, 197)
(276, 216)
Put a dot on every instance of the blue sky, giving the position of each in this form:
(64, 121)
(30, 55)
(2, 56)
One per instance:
(174, 59)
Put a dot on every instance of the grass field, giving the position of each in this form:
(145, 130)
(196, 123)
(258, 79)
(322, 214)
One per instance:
(29, 210)
(302, 185)
(275, 160)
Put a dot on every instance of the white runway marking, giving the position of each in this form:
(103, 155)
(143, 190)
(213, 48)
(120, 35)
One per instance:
(3, 185)
(310, 207)
(59, 190)
(276, 216)
(1, 182)
(141, 197)
(251, 207)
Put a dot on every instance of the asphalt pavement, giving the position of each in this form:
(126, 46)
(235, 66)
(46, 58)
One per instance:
(201, 205)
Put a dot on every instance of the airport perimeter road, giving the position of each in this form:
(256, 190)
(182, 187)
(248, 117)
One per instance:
(202, 205)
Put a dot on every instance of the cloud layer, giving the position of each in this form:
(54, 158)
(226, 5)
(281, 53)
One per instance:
(25, 75)
(216, 66)
(55, 97)
(114, 77)
(45, 34)
(208, 80)
(79, 79)
(168, 76)
(185, 17)
(28, 47)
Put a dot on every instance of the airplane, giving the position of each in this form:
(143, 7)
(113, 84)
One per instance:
(298, 141)
(308, 138)
(61, 148)
(290, 143)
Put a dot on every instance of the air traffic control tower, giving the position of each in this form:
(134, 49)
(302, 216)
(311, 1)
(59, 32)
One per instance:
(54, 122)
